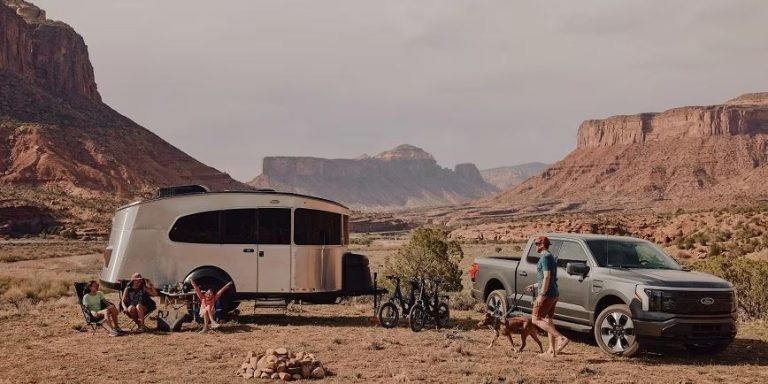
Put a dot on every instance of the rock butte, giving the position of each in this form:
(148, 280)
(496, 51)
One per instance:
(692, 157)
(403, 177)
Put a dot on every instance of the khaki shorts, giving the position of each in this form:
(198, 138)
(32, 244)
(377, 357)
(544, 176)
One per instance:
(543, 308)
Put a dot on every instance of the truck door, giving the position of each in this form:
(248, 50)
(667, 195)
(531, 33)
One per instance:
(274, 249)
(574, 290)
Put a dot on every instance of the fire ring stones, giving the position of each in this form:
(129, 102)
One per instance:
(281, 364)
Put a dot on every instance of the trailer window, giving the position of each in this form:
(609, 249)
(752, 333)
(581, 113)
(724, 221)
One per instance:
(239, 226)
(200, 227)
(313, 227)
(274, 226)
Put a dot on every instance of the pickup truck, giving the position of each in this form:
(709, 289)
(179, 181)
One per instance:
(626, 291)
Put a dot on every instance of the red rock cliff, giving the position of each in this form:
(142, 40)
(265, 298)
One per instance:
(47, 53)
(746, 114)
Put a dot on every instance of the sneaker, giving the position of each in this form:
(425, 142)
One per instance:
(120, 331)
(215, 325)
(114, 333)
(204, 330)
(141, 329)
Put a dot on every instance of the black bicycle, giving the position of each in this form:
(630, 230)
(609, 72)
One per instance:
(429, 307)
(389, 313)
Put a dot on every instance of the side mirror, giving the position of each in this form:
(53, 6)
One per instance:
(580, 269)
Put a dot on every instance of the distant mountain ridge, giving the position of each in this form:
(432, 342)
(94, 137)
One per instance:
(403, 177)
(507, 177)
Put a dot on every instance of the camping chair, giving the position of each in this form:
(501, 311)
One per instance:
(91, 320)
(148, 302)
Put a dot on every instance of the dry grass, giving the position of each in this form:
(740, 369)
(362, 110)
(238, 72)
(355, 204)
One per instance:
(19, 250)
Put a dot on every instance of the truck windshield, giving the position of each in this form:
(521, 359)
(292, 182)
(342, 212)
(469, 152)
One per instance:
(630, 254)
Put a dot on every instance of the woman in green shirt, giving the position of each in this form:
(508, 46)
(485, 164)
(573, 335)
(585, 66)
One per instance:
(95, 301)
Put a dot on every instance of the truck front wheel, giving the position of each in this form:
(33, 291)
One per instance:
(496, 303)
(615, 331)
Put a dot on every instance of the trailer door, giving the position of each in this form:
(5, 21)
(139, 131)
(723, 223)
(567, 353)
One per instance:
(237, 255)
(274, 249)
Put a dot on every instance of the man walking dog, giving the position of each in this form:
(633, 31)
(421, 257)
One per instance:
(546, 287)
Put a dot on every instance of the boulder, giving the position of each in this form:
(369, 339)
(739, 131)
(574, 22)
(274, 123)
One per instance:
(318, 373)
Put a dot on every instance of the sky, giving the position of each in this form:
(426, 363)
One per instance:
(494, 83)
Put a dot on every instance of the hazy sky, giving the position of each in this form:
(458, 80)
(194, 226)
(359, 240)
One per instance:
(490, 82)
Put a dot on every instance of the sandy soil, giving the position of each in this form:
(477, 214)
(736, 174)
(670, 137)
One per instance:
(43, 345)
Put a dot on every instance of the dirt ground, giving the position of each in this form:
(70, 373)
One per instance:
(40, 343)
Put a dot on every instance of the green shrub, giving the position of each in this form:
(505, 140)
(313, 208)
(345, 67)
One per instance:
(749, 277)
(428, 253)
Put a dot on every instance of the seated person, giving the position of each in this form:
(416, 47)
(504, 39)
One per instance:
(208, 305)
(135, 298)
(100, 308)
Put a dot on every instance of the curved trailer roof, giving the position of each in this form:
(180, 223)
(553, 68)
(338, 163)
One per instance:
(275, 193)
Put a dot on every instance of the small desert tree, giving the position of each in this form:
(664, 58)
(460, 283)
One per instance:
(428, 253)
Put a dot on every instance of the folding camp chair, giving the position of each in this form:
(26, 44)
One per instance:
(90, 320)
(149, 303)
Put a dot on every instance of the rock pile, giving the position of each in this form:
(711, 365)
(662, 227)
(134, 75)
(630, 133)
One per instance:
(281, 364)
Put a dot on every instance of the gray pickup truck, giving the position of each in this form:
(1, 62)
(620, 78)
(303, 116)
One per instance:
(626, 291)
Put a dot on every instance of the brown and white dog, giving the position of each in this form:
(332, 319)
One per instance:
(519, 324)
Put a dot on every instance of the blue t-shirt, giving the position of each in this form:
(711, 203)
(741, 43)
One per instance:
(547, 262)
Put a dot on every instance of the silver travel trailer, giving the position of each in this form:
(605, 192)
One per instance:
(269, 244)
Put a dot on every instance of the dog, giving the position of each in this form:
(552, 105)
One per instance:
(509, 325)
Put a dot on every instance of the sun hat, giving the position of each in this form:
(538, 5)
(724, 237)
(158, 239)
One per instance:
(136, 276)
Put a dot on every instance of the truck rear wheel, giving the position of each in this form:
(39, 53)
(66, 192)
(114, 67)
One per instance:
(496, 303)
(615, 331)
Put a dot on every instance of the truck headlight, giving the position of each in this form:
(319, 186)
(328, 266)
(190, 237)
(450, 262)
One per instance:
(651, 299)
(655, 299)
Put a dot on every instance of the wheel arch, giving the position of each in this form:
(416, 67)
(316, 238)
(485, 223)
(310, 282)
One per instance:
(493, 284)
(212, 272)
(606, 301)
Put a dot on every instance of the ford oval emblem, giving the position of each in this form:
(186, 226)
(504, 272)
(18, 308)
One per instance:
(707, 301)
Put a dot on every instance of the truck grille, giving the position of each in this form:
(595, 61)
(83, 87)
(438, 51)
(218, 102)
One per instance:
(697, 302)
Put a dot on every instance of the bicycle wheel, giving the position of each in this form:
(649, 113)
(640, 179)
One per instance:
(443, 315)
(417, 318)
(389, 315)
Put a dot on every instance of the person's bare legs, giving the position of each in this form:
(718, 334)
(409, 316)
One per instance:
(112, 314)
(103, 314)
(133, 314)
(552, 334)
(206, 319)
(141, 311)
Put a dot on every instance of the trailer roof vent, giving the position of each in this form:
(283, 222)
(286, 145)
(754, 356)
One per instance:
(182, 190)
